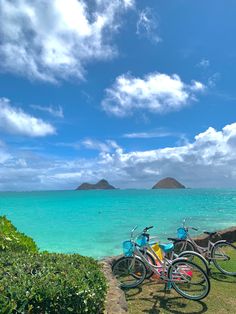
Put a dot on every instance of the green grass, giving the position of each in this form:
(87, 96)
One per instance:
(151, 298)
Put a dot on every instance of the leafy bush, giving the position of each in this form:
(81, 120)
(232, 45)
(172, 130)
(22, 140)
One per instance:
(11, 239)
(50, 283)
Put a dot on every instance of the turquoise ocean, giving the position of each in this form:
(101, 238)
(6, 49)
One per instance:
(95, 223)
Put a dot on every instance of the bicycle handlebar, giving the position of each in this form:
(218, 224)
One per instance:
(193, 228)
(147, 228)
(143, 232)
(188, 227)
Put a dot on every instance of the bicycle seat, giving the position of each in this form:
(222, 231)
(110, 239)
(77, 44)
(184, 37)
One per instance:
(167, 247)
(173, 239)
(210, 233)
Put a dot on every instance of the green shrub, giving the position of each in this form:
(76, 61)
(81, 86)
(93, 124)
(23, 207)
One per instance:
(11, 239)
(50, 283)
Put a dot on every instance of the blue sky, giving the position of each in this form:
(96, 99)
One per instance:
(131, 91)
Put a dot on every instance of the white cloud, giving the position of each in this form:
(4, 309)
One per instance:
(4, 156)
(54, 111)
(147, 25)
(15, 121)
(156, 92)
(212, 80)
(208, 161)
(106, 146)
(54, 40)
(204, 63)
(152, 134)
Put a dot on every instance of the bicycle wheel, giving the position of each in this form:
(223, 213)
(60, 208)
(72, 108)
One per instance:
(223, 255)
(129, 271)
(189, 280)
(182, 245)
(196, 258)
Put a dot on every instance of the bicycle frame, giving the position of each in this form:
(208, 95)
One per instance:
(164, 264)
(204, 251)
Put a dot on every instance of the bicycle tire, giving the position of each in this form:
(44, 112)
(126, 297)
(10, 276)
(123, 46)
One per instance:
(226, 266)
(124, 271)
(183, 268)
(183, 245)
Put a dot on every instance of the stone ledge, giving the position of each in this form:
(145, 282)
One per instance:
(115, 300)
(228, 234)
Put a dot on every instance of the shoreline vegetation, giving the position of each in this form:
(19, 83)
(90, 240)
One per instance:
(40, 282)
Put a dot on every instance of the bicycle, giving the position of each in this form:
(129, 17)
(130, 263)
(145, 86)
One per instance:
(187, 278)
(221, 253)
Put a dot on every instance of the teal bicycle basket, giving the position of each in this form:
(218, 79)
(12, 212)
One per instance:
(182, 233)
(128, 248)
(141, 240)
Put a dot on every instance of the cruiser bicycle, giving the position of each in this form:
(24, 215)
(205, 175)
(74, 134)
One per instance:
(221, 253)
(187, 278)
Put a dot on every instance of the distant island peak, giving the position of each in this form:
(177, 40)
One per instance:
(100, 185)
(168, 183)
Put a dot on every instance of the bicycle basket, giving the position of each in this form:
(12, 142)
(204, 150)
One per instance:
(141, 240)
(181, 233)
(128, 248)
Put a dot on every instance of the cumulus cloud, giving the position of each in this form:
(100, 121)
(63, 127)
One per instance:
(208, 161)
(15, 121)
(156, 92)
(54, 40)
(54, 111)
(147, 25)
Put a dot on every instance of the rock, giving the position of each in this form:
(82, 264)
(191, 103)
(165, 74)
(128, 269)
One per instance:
(228, 234)
(100, 185)
(168, 183)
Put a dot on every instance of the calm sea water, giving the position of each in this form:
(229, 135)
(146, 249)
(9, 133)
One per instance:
(95, 223)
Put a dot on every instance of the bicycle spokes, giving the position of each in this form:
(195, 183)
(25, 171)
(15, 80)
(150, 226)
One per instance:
(189, 280)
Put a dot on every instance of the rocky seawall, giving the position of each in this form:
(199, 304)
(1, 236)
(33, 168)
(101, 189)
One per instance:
(228, 234)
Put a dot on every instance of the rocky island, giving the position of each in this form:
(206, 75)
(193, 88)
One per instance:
(168, 183)
(100, 185)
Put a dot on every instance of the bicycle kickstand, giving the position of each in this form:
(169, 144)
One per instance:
(167, 287)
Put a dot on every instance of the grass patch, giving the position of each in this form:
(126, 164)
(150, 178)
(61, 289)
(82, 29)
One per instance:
(151, 298)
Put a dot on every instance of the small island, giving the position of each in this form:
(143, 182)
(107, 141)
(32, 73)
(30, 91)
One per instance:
(168, 183)
(100, 185)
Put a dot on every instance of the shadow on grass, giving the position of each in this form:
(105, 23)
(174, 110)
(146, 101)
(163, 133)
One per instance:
(176, 305)
(221, 277)
(156, 302)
